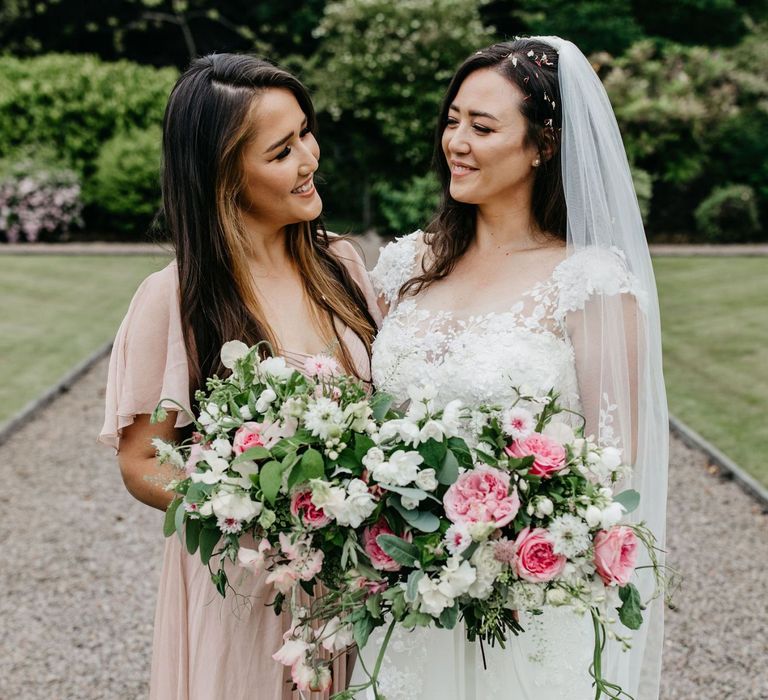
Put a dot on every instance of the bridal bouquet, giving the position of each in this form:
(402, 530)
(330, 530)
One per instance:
(426, 517)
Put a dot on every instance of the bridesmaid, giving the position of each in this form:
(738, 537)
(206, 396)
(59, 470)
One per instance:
(253, 262)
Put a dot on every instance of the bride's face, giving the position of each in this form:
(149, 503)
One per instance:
(484, 141)
(279, 163)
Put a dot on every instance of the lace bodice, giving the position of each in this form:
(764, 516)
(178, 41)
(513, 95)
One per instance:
(481, 358)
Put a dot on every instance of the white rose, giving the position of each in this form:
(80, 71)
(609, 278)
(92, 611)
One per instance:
(233, 351)
(426, 480)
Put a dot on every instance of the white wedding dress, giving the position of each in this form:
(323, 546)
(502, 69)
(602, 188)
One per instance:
(479, 359)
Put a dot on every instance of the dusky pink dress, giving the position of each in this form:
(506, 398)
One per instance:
(205, 647)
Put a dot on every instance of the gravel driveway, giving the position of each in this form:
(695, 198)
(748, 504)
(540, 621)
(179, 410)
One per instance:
(80, 566)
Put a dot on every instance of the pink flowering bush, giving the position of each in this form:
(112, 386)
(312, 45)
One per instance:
(38, 200)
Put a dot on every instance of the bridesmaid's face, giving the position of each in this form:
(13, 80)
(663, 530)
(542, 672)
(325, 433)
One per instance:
(279, 162)
(484, 141)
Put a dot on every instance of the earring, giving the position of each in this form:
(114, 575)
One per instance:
(536, 163)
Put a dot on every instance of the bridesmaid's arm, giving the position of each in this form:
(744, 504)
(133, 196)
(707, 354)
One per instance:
(143, 475)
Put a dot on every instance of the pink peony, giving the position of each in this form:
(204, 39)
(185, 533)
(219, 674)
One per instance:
(248, 435)
(303, 508)
(322, 366)
(535, 559)
(548, 454)
(616, 554)
(481, 496)
(379, 558)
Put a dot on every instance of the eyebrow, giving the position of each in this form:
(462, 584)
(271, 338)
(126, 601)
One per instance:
(474, 113)
(285, 139)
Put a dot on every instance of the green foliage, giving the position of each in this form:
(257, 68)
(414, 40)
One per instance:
(75, 103)
(126, 183)
(643, 182)
(729, 215)
(408, 206)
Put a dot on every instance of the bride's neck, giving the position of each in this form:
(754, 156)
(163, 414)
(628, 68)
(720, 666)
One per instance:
(507, 226)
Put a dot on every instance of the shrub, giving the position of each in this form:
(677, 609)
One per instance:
(411, 207)
(729, 215)
(37, 198)
(125, 188)
(643, 182)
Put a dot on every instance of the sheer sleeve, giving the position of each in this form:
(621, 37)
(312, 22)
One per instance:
(149, 359)
(345, 251)
(396, 265)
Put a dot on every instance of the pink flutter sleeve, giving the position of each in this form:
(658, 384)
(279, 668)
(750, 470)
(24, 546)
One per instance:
(149, 358)
(348, 255)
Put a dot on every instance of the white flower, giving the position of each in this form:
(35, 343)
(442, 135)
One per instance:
(570, 535)
(217, 472)
(409, 503)
(526, 596)
(517, 423)
(543, 507)
(222, 447)
(229, 526)
(456, 577)
(349, 508)
(213, 409)
(323, 418)
(245, 413)
(426, 480)
(400, 470)
(238, 506)
(562, 432)
(406, 430)
(373, 458)
(611, 515)
(481, 531)
(329, 498)
(293, 407)
(275, 367)
(457, 538)
(358, 415)
(432, 600)
(593, 515)
(168, 453)
(205, 509)
(487, 568)
(293, 650)
(233, 351)
(265, 399)
(610, 459)
(335, 635)
(432, 430)
(557, 596)
(452, 417)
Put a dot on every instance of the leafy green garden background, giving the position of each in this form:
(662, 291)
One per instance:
(81, 103)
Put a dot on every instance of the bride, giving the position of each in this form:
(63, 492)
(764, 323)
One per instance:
(535, 273)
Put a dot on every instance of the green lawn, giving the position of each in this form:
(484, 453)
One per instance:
(59, 309)
(56, 311)
(714, 315)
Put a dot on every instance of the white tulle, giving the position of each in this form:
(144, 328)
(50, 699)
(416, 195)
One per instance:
(589, 328)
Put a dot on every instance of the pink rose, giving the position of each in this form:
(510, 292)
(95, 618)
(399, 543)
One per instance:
(548, 454)
(248, 435)
(481, 496)
(535, 558)
(379, 558)
(309, 514)
(616, 554)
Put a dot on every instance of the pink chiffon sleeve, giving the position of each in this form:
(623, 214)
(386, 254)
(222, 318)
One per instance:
(149, 358)
(346, 252)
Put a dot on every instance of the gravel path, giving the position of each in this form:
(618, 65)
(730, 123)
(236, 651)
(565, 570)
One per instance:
(81, 563)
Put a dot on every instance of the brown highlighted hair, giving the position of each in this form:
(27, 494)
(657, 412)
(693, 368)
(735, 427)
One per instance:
(205, 130)
(531, 66)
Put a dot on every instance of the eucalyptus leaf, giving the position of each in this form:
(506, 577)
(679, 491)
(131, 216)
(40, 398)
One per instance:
(630, 499)
(449, 471)
(209, 538)
(412, 588)
(408, 492)
(380, 405)
(178, 523)
(169, 526)
(420, 520)
(401, 551)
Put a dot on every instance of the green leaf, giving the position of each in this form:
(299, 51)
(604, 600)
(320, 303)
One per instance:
(252, 453)
(291, 444)
(267, 518)
(418, 519)
(412, 588)
(461, 452)
(348, 459)
(362, 630)
(169, 523)
(362, 444)
(198, 492)
(401, 551)
(630, 499)
(416, 619)
(270, 479)
(433, 453)
(449, 471)
(373, 605)
(220, 581)
(408, 492)
(449, 616)
(311, 466)
(178, 523)
(380, 405)
(630, 612)
(398, 605)
(209, 538)
(192, 533)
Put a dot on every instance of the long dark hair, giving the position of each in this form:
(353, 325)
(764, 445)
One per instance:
(204, 133)
(531, 66)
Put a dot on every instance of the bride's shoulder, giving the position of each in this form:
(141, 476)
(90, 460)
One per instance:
(397, 263)
(593, 271)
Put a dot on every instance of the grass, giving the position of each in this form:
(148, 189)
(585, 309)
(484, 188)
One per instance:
(57, 311)
(714, 315)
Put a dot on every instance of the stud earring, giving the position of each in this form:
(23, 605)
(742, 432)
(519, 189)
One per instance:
(536, 163)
